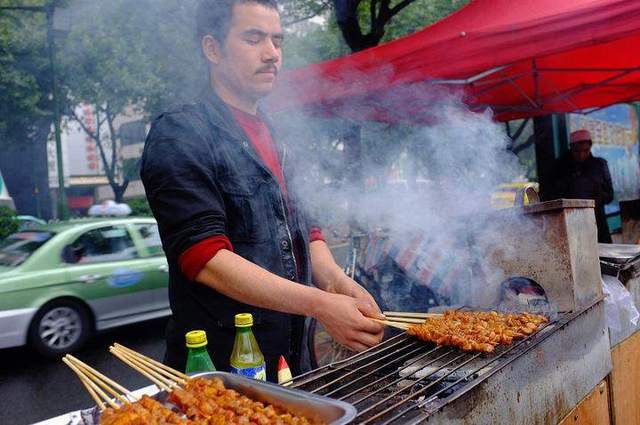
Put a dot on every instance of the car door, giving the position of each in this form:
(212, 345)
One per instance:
(108, 273)
(156, 270)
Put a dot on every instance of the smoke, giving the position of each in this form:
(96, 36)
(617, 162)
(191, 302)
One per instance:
(427, 189)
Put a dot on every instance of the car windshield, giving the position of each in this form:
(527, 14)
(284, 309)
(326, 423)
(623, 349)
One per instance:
(16, 248)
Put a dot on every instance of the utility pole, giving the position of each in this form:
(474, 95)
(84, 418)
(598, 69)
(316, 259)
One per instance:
(63, 208)
(49, 9)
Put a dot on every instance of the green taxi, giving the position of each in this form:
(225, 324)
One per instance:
(61, 282)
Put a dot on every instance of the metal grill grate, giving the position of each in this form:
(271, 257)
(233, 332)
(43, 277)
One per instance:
(404, 380)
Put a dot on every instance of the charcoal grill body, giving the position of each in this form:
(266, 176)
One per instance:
(540, 386)
(535, 381)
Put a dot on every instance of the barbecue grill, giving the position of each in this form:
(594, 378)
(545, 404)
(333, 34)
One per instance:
(536, 380)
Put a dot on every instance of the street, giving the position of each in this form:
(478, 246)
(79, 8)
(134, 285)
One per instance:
(33, 388)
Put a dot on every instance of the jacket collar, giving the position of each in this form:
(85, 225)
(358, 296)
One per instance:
(220, 116)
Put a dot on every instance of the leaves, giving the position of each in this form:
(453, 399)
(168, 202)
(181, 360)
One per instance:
(8, 222)
(24, 70)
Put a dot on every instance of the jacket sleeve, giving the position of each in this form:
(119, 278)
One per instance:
(178, 173)
(607, 186)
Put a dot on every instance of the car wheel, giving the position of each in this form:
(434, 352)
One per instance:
(60, 327)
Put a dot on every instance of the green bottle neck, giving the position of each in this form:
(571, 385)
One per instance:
(198, 350)
(243, 330)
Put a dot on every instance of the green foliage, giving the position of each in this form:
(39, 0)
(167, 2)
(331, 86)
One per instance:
(24, 70)
(418, 15)
(140, 207)
(122, 54)
(314, 44)
(8, 222)
(318, 42)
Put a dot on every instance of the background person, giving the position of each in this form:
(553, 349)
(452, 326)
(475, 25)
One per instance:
(580, 175)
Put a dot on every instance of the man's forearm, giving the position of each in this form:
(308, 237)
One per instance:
(326, 272)
(244, 281)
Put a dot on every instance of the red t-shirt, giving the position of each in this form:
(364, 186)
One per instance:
(193, 260)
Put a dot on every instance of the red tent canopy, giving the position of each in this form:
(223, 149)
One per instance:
(520, 58)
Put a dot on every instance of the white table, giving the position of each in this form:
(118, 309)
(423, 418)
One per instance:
(68, 418)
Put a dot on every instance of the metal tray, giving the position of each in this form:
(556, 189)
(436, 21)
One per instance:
(299, 402)
(302, 403)
(619, 253)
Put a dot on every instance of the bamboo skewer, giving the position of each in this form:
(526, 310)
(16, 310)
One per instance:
(98, 377)
(154, 377)
(406, 320)
(93, 394)
(397, 325)
(94, 380)
(389, 314)
(163, 376)
(164, 369)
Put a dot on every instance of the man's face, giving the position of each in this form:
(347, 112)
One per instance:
(580, 151)
(251, 56)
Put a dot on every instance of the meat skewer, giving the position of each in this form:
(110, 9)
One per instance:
(477, 331)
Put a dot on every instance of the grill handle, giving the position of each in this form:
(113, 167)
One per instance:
(531, 196)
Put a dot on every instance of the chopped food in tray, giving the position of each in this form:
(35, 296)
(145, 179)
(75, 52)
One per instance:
(144, 411)
(202, 401)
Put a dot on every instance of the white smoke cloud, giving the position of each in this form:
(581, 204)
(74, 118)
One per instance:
(434, 202)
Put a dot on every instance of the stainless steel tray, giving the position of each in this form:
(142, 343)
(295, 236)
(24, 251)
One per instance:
(299, 402)
(302, 403)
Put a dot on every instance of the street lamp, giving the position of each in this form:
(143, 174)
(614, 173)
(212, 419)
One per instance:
(53, 24)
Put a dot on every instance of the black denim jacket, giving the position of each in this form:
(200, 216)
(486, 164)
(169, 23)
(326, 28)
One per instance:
(203, 178)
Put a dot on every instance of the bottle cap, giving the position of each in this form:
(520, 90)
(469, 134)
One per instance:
(284, 373)
(196, 339)
(244, 320)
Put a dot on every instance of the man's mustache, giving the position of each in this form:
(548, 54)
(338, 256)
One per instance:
(268, 69)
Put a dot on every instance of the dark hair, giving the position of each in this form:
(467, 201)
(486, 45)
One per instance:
(213, 17)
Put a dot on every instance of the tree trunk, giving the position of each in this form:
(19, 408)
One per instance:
(119, 190)
(353, 155)
(24, 166)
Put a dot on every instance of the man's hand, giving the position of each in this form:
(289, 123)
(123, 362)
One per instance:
(345, 307)
(344, 318)
(344, 285)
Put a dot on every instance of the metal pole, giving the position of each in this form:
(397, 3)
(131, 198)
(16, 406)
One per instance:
(63, 210)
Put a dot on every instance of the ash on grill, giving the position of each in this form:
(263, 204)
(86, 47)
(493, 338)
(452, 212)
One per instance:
(404, 380)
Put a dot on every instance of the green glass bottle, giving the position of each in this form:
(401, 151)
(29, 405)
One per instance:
(246, 357)
(198, 359)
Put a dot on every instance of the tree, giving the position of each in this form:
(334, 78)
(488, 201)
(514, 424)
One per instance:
(8, 222)
(24, 70)
(25, 105)
(349, 14)
(351, 25)
(127, 58)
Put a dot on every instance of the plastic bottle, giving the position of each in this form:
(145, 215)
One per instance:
(198, 359)
(246, 357)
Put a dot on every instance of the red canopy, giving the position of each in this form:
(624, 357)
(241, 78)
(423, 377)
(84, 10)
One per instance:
(520, 58)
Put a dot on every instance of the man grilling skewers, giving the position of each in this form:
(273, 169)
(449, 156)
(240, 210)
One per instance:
(234, 232)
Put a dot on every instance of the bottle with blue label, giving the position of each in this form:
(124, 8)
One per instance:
(246, 357)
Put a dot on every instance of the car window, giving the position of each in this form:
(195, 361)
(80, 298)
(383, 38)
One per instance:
(16, 248)
(111, 243)
(151, 237)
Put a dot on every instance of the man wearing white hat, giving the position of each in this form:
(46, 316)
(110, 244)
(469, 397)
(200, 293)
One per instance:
(580, 175)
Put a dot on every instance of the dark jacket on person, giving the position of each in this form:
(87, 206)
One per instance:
(202, 179)
(589, 179)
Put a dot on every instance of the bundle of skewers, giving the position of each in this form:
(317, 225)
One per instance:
(477, 331)
(193, 400)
